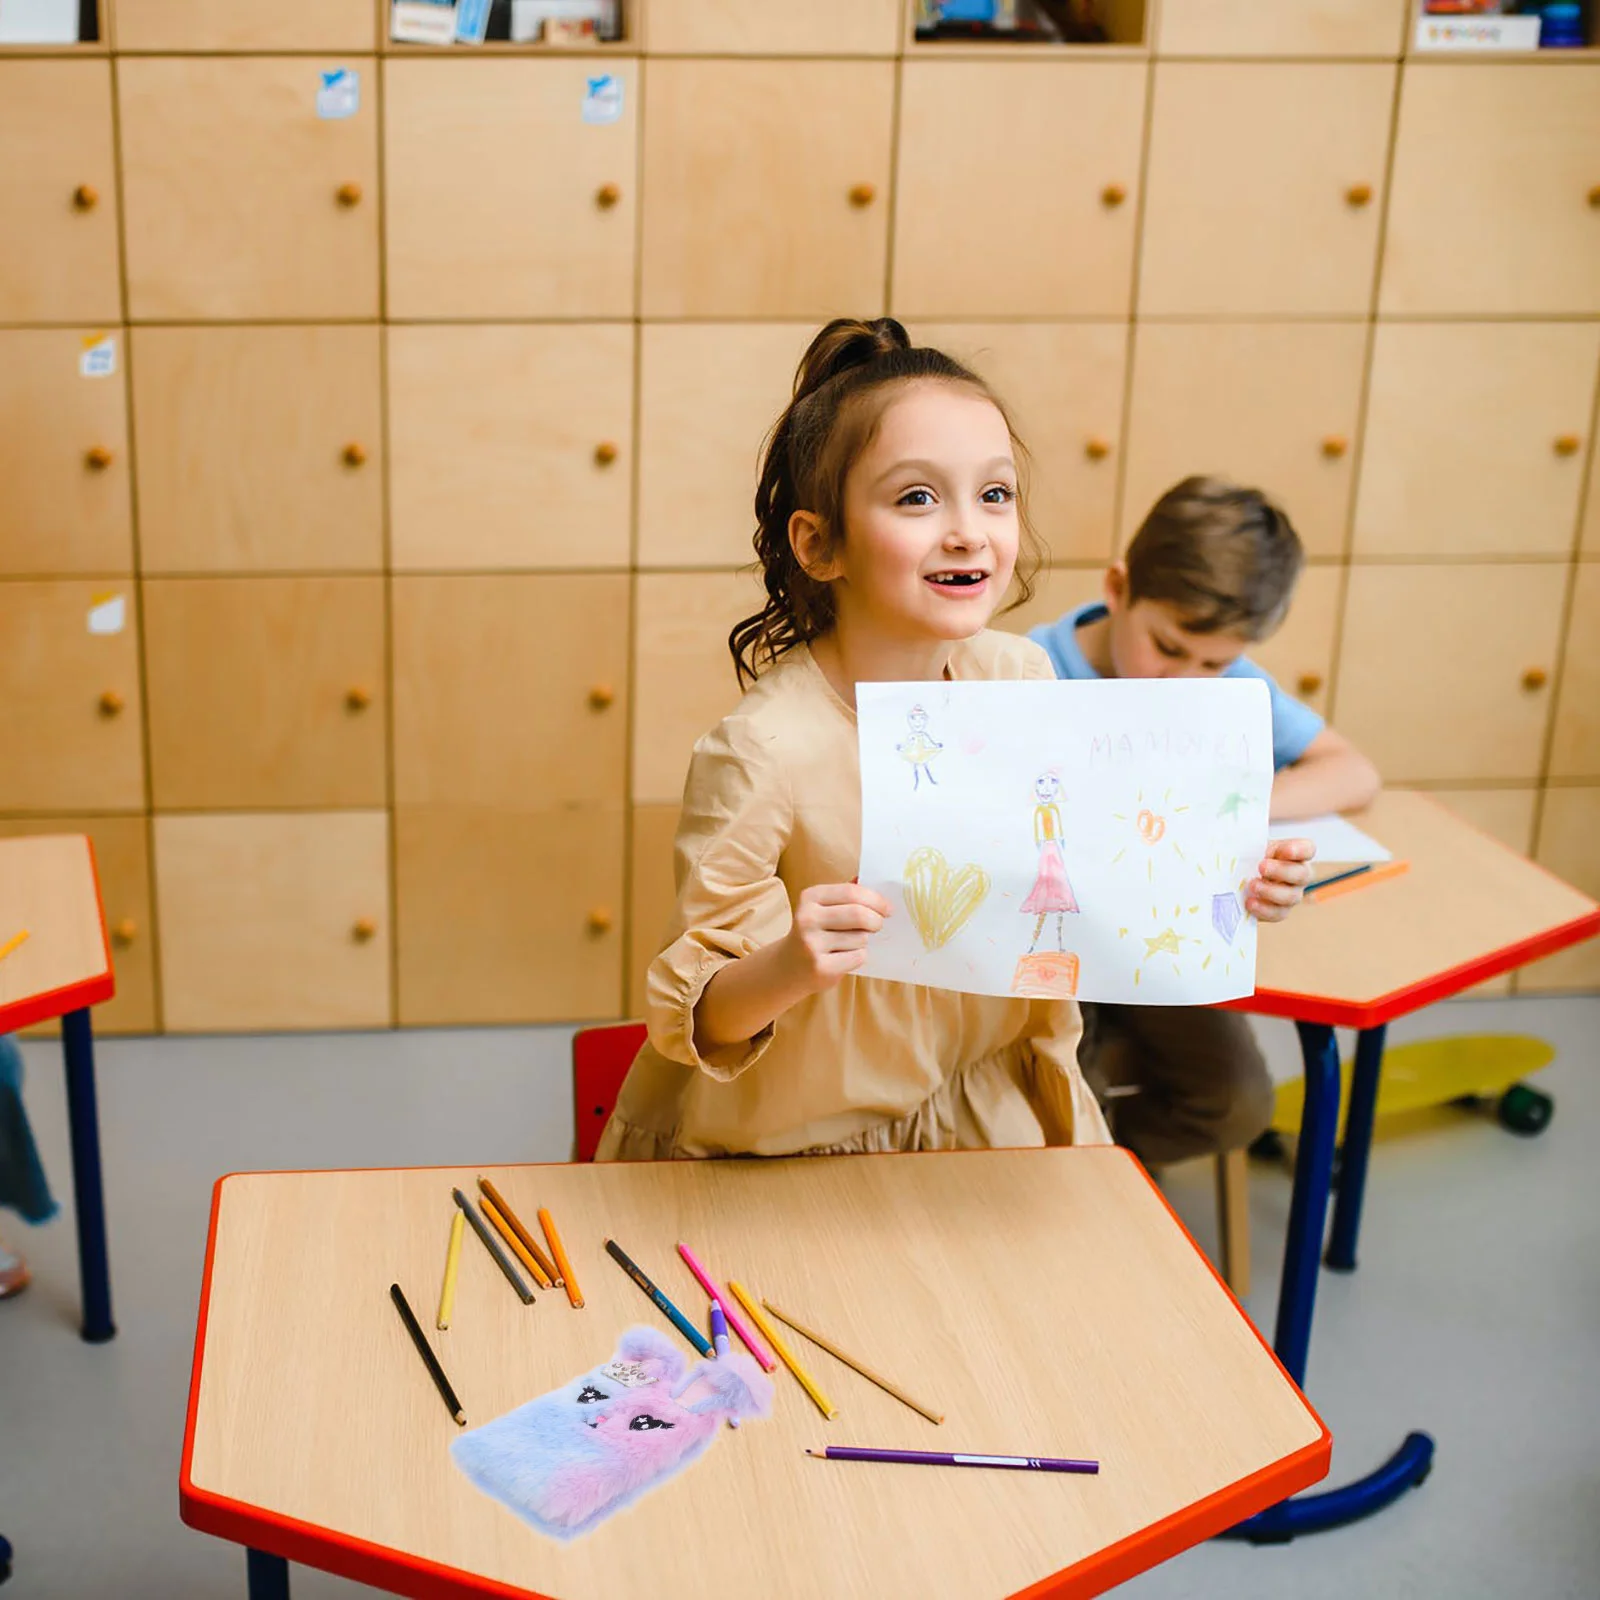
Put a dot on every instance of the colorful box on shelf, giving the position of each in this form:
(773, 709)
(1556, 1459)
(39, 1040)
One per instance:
(1478, 33)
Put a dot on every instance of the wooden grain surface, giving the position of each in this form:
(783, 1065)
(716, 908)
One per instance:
(47, 886)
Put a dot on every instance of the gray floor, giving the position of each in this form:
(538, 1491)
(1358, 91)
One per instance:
(1476, 1312)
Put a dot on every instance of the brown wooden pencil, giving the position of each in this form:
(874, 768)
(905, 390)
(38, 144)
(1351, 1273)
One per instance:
(503, 1228)
(851, 1362)
(548, 1267)
(570, 1283)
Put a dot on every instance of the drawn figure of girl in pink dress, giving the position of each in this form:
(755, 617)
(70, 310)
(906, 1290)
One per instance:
(1051, 891)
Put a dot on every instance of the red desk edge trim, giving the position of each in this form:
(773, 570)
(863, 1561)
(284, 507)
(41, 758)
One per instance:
(55, 1003)
(397, 1572)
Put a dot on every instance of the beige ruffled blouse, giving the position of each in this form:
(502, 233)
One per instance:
(772, 806)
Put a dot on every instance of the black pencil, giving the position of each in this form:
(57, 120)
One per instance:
(481, 1228)
(1337, 877)
(429, 1359)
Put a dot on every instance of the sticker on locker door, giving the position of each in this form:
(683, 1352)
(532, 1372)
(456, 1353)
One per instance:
(339, 94)
(602, 99)
(98, 358)
(108, 613)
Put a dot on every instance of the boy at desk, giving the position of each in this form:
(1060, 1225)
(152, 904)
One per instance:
(1210, 572)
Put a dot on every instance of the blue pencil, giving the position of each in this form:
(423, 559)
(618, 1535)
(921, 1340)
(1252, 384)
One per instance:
(662, 1304)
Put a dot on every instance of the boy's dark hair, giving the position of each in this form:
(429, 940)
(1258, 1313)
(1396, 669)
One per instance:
(841, 390)
(1223, 556)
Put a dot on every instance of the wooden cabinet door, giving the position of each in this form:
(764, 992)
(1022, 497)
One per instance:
(1569, 845)
(509, 915)
(69, 698)
(1265, 187)
(1041, 227)
(510, 447)
(766, 188)
(684, 681)
(1575, 744)
(260, 449)
(510, 691)
(1056, 591)
(241, 201)
(737, 28)
(58, 193)
(122, 862)
(1275, 405)
(265, 692)
(1444, 671)
(1488, 158)
(1283, 28)
(1063, 385)
(63, 456)
(1475, 438)
(1589, 528)
(1300, 654)
(274, 920)
(651, 893)
(501, 199)
(179, 25)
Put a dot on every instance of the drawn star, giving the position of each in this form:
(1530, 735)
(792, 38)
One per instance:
(1167, 941)
(1230, 806)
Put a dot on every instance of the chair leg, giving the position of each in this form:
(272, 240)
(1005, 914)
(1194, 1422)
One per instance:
(1233, 1219)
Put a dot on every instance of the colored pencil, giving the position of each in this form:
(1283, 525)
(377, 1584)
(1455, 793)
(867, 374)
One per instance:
(660, 1301)
(938, 1458)
(15, 942)
(1356, 878)
(547, 1268)
(785, 1354)
(518, 1249)
(735, 1321)
(429, 1359)
(481, 1228)
(563, 1265)
(452, 1261)
(850, 1361)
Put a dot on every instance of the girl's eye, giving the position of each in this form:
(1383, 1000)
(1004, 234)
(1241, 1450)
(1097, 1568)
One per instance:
(644, 1422)
(999, 494)
(1170, 651)
(916, 497)
(590, 1394)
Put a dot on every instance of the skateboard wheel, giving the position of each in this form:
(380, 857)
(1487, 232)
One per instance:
(1524, 1110)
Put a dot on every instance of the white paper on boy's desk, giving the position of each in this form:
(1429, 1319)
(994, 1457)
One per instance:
(1336, 839)
(1054, 839)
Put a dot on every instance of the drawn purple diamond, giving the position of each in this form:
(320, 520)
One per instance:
(1226, 915)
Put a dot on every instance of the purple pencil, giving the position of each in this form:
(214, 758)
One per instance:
(941, 1458)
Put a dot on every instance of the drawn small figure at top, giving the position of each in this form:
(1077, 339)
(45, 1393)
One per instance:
(1051, 891)
(919, 747)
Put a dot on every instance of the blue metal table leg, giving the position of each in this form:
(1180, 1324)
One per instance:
(1358, 1122)
(268, 1575)
(77, 1043)
(5, 1558)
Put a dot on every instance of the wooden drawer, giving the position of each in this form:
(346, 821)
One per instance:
(1475, 438)
(1575, 745)
(502, 201)
(241, 201)
(122, 860)
(1487, 159)
(179, 25)
(1283, 28)
(1265, 188)
(265, 692)
(58, 193)
(1063, 385)
(651, 893)
(69, 698)
(509, 916)
(510, 692)
(63, 456)
(737, 28)
(1032, 232)
(260, 449)
(274, 921)
(697, 483)
(757, 202)
(510, 447)
(1276, 405)
(1444, 671)
(1569, 845)
(684, 681)
(1300, 654)
(1056, 591)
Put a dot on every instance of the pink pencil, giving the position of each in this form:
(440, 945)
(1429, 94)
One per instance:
(735, 1321)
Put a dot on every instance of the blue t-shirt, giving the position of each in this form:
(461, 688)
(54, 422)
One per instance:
(1294, 725)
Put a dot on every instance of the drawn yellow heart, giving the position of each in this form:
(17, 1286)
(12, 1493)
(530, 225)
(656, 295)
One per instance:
(941, 901)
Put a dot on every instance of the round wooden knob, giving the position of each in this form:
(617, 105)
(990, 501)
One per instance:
(600, 920)
(97, 459)
(1309, 682)
(86, 197)
(863, 194)
(1535, 678)
(607, 196)
(357, 697)
(1335, 446)
(1568, 444)
(349, 194)
(111, 703)
(605, 453)
(1096, 448)
(362, 929)
(125, 931)
(1113, 195)
(1358, 194)
(602, 696)
(1594, 195)
(355, 455)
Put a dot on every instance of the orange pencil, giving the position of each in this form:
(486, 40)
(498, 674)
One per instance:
(547, 1268)
(1360, 878)
(574, 1294)
(503, 1228)
(13, 943)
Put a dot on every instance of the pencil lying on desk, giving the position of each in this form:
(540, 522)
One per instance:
(939, 1458)
(545, 1270)
(851, 1362)
(518, 1249)
(15, 942)
(659, 1300)
(703, 1278)
(558, 1250)
(429, 1359)
(784, 1353)
(481, 1228)
(452, 1263)
(1355, 878)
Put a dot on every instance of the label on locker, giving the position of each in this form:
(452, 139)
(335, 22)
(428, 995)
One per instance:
(602, 99)
(339, 94)
(108, 613)
(98, 358)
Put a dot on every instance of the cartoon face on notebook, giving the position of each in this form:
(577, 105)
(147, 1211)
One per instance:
(566, 1461)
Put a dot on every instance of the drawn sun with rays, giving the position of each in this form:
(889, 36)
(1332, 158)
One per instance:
(1150, 830)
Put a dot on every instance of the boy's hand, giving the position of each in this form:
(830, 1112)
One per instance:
(1284, 876)
(832, 923)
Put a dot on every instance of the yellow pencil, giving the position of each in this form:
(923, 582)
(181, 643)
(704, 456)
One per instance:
(452, 1260)
(563, 1265)
(783, 1352)
(13, 943)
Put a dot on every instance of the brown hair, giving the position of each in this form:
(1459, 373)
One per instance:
(1223, 555)
(842, 388)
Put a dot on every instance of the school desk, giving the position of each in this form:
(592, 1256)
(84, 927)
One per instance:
(49, 887)
(1467, 909)
(1047, 1301)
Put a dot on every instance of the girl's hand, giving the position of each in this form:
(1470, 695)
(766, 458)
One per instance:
(832, 923)
(1284, 876)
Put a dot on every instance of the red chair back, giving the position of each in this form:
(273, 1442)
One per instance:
(600, 1061)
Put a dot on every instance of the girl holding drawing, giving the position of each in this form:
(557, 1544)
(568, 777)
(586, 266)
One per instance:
(889, 530)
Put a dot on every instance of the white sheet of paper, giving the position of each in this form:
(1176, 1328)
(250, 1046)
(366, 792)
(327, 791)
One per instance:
(1337, 840)
(1059, 838)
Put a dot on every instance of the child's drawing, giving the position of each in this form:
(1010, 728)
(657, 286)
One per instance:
(939, 900)
(1051, 892)
(1226, 914)
(919, 747)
